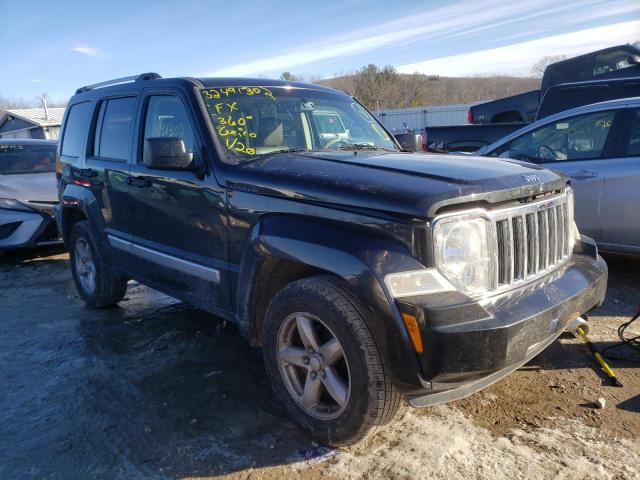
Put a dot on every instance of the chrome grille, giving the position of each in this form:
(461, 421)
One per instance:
(531, 239)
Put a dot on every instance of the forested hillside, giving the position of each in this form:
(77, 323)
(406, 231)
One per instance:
(382, 88)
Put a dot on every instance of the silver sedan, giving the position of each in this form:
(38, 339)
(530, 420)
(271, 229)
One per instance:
(598, 147)
(27, 193)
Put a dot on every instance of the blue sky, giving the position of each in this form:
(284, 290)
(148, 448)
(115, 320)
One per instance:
(57, 46)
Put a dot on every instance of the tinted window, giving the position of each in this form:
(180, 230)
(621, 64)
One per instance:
(75, 130)
(113, 135)
(571, 70)
(27, 158)
(167, 118)
(633, 146)
(576, 138)
(611, 62)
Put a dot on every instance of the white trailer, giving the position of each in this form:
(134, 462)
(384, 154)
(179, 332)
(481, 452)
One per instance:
(401, 119)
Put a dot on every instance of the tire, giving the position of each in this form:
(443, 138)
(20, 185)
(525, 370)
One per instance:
(324, 306)
(106, 288)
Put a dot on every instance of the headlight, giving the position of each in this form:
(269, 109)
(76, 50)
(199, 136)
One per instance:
(12, 204)
(461, 249)
(416, 282)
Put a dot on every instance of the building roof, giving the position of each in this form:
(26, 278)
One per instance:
(36, 116)
(26, 141)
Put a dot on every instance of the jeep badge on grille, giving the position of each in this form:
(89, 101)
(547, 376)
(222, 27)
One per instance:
(531, 178)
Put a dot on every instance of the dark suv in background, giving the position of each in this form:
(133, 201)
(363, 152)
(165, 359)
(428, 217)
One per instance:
(366, 273)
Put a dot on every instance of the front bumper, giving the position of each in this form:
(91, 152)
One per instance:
(24, 228)
(470, 345)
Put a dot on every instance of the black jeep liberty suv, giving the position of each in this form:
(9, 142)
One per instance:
(366, 274)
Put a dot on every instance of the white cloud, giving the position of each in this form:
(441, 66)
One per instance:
(437, 24)
(89, 51)
(33, 80)
(517, 59)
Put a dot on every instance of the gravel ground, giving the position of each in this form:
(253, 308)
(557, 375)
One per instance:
(158, 389)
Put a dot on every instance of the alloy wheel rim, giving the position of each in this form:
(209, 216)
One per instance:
(85, 266)
(313, 366)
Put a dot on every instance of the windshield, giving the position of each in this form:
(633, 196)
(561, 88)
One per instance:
(27, 159)
(254, 121)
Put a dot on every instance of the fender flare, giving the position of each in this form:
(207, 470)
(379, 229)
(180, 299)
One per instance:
(360, 257)
(79, 199)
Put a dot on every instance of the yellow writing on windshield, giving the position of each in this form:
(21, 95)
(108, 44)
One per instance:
(225, 92)
(232, 124)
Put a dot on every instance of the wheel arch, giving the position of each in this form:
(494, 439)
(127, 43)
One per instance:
(79, 203)
(283, 250)
(508, 116)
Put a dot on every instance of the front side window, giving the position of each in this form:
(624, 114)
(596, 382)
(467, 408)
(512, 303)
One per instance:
(577, 138)
(27, 158)
(114, 130)
(167, 117)
(75, 129)
(611, 62)
(254, 121)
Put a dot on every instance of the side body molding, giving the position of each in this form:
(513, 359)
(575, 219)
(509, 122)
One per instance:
(205, 273)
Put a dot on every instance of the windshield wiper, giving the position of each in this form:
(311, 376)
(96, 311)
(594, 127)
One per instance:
(283, 150)
(363, 146)
(357, 146)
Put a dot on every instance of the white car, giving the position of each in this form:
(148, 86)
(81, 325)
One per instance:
(28, 193)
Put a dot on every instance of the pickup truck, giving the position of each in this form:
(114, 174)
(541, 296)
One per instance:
(558, 98)
(615, 62)
(367, 274)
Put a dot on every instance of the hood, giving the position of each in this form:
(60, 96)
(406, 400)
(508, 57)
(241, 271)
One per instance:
(33, 187)
(407, 183)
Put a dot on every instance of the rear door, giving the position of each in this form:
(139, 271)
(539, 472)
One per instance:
(106, 168)
(179, 216)
(579, 147)
(621, 198)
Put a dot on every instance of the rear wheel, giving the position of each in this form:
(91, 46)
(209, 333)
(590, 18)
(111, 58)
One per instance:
(323, 363)
(96, 283)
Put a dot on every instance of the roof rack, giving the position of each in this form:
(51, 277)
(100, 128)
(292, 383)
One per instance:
(117, 81)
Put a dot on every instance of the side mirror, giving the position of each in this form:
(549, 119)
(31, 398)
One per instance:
(634, 59)
(166, 153)
(411, 142)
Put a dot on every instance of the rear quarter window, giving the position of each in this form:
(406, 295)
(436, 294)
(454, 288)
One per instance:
(75, 129)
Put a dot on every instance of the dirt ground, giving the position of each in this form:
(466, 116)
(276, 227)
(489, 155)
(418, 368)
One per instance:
(158, 389)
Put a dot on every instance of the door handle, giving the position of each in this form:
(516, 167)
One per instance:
(139, 181)
(583, 174)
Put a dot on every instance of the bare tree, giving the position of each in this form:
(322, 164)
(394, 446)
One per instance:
(7, 103)
(288, 76)
(541, 65)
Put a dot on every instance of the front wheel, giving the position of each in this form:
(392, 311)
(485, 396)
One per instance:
(323, 363)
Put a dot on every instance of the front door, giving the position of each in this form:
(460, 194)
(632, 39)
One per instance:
(578, 147)
(179, 216)
(621, 199)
